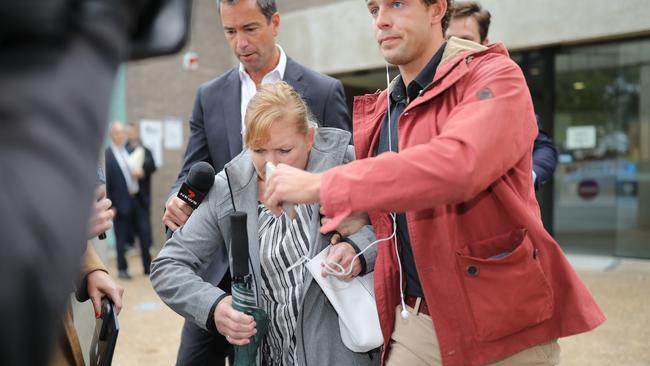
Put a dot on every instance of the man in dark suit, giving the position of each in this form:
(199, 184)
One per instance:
(142, 167)
(121, 188)
(216, 125)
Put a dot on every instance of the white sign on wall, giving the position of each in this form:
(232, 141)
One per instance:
(151, 134)
(581, 137)
(173, 134)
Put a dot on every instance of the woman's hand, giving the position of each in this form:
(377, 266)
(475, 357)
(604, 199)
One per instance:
(235, 325)
(100, 284)
(342, 253)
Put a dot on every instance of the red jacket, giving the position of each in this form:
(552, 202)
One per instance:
(463, 177)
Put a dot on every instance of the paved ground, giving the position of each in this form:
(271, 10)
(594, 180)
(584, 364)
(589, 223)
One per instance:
(622, 289)
(150, 330)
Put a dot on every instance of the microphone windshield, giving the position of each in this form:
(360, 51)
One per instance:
(197, 185)
(239, 244)
(201, 176)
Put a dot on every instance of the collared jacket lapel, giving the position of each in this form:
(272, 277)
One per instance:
(293, 76)
(231, 107)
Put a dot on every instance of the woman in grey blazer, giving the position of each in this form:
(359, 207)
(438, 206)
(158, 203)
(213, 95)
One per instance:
(304, 328)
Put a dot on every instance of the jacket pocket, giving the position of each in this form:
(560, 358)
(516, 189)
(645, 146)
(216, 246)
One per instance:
(505, 287)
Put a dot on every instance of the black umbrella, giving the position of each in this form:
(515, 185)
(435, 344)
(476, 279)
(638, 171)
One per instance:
(243, 299)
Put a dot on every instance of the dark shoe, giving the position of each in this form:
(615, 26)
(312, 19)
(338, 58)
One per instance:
(123, 274)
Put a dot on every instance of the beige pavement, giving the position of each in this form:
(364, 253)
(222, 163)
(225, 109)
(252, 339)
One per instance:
(623, 292)
(150, 331)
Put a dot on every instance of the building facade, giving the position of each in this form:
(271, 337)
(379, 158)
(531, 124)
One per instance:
(587, 63)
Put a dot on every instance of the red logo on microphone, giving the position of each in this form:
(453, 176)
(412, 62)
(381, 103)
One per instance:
(191, 194)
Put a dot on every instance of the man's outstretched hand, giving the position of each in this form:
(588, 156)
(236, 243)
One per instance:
(293, 185)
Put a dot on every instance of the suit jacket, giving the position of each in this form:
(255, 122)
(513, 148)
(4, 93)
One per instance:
(544, 158)
(215, 126)
(116, 188)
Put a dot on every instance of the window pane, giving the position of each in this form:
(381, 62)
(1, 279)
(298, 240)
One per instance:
(601, 191)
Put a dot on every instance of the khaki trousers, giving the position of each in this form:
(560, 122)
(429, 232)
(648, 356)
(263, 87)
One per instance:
(414, 343)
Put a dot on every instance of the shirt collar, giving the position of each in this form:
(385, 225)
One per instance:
(426, 75)
(424, 78)
(279, 68)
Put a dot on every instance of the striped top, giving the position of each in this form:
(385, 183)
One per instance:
(283, 242)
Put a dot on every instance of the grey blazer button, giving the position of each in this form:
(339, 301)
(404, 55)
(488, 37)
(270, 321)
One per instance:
(472, 271)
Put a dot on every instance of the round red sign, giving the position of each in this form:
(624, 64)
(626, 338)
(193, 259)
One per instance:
(588, 189)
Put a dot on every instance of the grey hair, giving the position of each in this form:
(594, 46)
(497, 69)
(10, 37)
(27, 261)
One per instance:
(268, 7)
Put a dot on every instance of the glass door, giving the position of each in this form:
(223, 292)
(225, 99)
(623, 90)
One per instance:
(601, 192)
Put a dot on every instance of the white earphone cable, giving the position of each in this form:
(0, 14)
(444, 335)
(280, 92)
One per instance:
(404, 312)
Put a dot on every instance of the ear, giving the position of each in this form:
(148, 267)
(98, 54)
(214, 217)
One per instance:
(275, 23)
(438, 10)
(310, 136)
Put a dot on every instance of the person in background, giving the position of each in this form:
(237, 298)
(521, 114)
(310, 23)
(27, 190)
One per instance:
(122, 188)
(217, 126)
(142, 166)
(471, 21)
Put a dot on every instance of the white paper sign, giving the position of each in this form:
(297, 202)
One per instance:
(173, 134)
(151, 134)
(581, 137)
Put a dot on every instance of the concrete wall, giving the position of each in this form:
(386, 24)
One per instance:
(343, 29)
(285, 6)
(331, 38)
(161, 88)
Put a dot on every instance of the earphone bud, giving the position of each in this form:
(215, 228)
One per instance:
(404, 313)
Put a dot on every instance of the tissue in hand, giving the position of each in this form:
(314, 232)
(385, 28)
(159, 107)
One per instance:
(287, 207)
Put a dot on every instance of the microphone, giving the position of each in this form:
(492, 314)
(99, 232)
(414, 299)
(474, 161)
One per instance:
(239, 247)
(197, 185)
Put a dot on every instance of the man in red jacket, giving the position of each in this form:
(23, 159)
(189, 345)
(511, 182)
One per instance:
(472, 277)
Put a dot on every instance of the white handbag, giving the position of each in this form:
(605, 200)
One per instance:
(354, 303)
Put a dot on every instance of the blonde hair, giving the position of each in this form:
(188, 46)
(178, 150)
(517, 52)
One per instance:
(271, 103)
